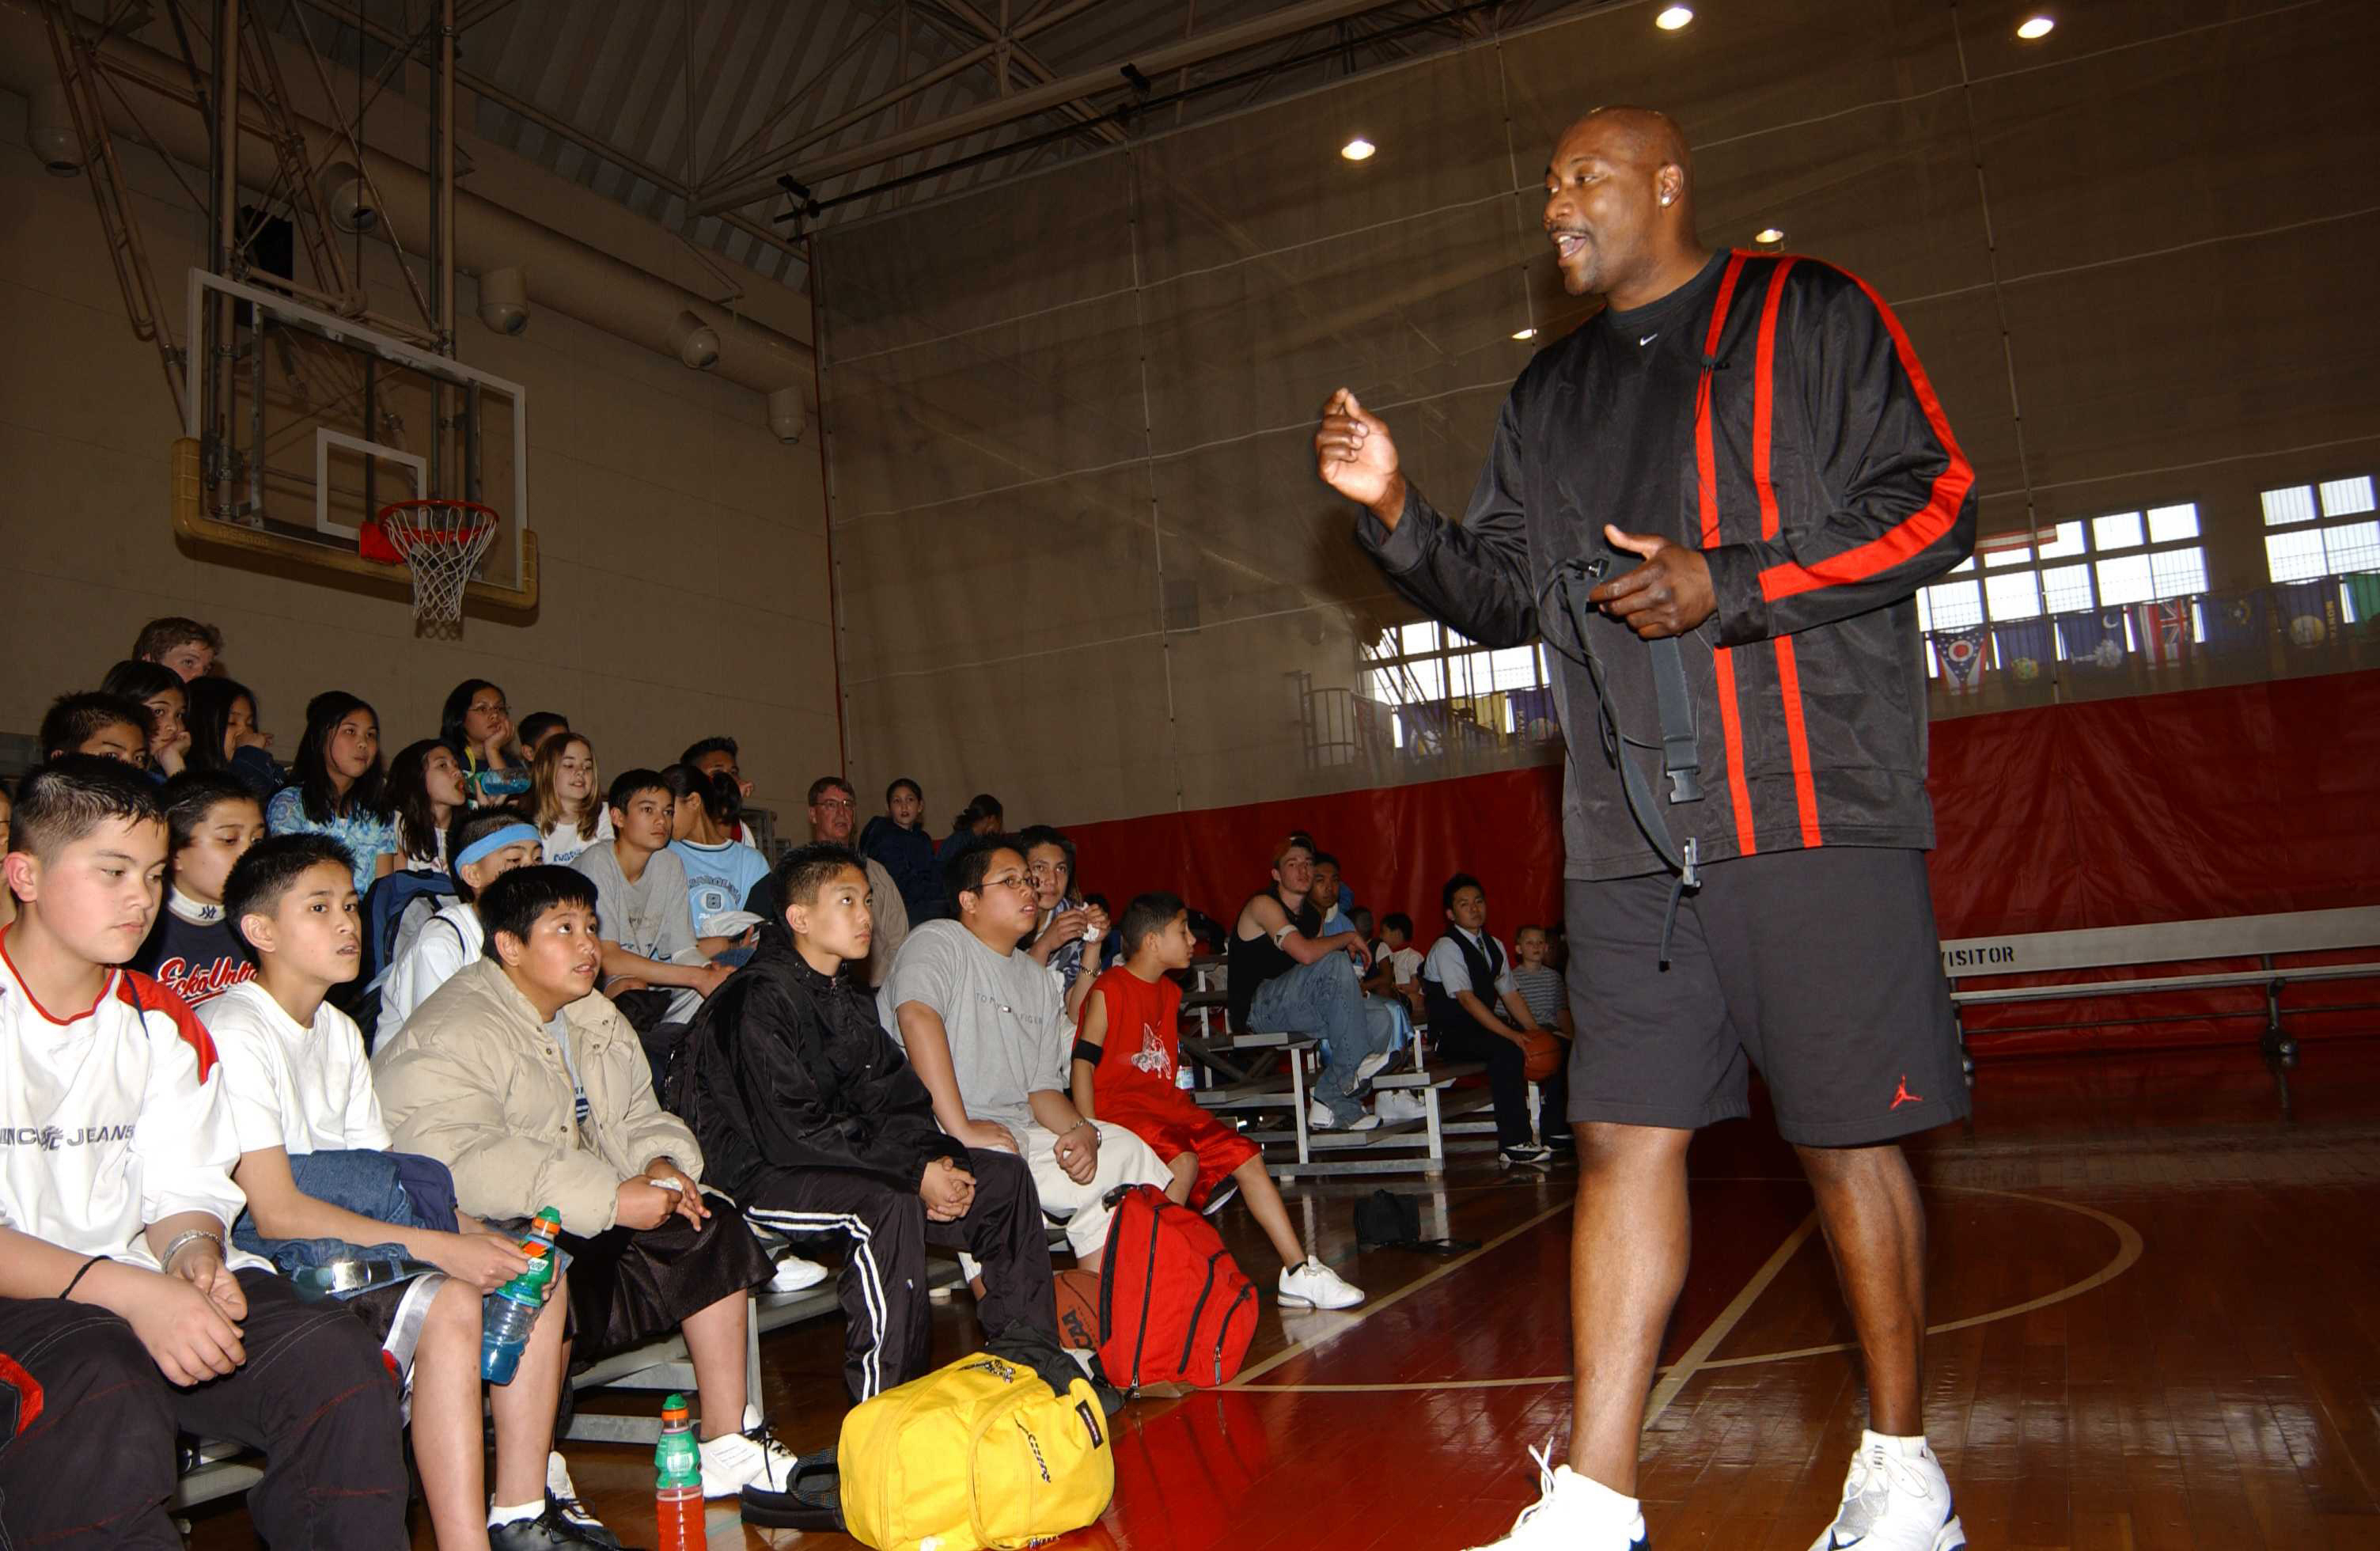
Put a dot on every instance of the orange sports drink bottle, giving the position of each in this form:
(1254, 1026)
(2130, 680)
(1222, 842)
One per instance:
(677, 1482)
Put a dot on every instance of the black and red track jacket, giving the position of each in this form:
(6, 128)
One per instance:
(1772, 412)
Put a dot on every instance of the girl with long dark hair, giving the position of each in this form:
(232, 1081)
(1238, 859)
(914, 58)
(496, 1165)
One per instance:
(339, 786)
(477, 724)
(221, 720)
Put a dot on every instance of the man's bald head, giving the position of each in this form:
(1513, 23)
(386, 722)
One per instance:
(1620, 205)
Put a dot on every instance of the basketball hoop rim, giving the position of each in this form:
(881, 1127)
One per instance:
(488, 517)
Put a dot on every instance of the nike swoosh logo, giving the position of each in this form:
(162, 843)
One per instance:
(1648, 339)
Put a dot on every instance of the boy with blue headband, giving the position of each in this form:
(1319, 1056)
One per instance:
(482, 845)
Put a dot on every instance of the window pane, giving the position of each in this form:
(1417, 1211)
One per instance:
(2177, 573)
(1385, 688)
(1457, 639)
(1514, 668)
(1924, 619)
(1425, 680)
(1419, 637)
(2014, 596)
(1966, 565)
(1955, 605)
(2126, 580)
(2069, 542)
(2293, 505)
(2169, 523)
(2121, 532)
(2354, 547)
(2295, 557)
(2343, 497)
(2009, 557)
(2069, 588)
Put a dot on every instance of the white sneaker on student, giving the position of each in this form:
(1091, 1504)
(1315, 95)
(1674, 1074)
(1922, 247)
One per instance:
(793, 1274)
(1895, 1499)
(1371, 1063)
(751, 1458)
(1574, 1514)
(1318, 1117)
(1317, 1286)
(1398, 1104)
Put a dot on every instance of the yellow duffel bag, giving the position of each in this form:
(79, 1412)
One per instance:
(982, 1454)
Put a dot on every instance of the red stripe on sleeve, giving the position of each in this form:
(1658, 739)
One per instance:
(1789, 673)
(1730, 720)
(1912, 534)
(151, 997)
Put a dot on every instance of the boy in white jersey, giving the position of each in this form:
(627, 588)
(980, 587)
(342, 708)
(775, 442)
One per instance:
(312, 1145)
(124, 1317)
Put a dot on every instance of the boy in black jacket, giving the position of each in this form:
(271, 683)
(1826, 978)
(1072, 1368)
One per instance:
(810, 1116)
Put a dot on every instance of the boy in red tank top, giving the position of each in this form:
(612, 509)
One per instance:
(1127, 1056)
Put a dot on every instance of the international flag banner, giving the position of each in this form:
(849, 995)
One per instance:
(2238, 624)
(2166, 630)
(2309, 611)
(2028, 651)
(2094, 638)
(1963, 654)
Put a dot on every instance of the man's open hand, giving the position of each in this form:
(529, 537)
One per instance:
(1668, 595)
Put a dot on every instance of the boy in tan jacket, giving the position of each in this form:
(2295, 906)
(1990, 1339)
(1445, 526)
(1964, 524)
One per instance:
(534, 1091)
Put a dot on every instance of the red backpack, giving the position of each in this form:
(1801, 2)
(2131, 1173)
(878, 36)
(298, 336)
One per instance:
(1174, 1307)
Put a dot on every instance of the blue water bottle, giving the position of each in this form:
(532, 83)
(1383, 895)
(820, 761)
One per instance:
(511, 1311)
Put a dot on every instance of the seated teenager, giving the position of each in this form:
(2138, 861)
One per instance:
(1396, 963)
(184, 645)
(717, 757)
(981, 816)
(1287, 977)
(477, 723)
(534, 1091)
(161, 692)
(315, 1165)
(1330, 898)
(485, 844)
(539, 729)
(425, 792)
(1065, 928)
(809, 1114)
(211, 820)
(225, 737)
(897, 839)
(648, 928)
(1126, 1060)
(566, 799)
(1477, 1013)
(720, 869)
(338, 788)
(983, 1025)
(834, 809)
(96, 723)
(121, 1299)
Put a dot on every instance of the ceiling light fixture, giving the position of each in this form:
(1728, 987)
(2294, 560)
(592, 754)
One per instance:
(1674, 17)
(1525, 334)
(2037, 27)
(1358, 150)
(1769, 234)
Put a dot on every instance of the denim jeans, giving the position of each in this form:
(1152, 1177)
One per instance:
(1325, 998)
(395, 1188)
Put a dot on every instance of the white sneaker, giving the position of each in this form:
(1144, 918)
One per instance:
(1371, 1063)
(793, 1274)
(1399, 1104)
(1895, 1499)
(751, 1458)
(1575, 1514)
(1318, 1117)
(1317, 1286)
(1527, 1155)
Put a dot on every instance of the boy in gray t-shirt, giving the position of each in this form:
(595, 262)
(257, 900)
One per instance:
(640, 900)
(987, 1030)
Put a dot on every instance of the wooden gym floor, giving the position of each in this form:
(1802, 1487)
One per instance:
(2155, 1315)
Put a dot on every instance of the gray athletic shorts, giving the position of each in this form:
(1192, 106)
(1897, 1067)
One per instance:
(1820, 967)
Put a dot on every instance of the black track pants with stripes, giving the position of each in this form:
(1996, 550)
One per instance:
(886, 1230)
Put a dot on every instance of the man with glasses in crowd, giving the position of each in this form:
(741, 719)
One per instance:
(985, 1027)
(834, 815)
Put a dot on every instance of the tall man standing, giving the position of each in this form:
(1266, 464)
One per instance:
(1748, 445)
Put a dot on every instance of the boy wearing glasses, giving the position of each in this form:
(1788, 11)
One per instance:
(834, 815)
(984, 1027)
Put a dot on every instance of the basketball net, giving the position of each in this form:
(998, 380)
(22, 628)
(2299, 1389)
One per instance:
(439, 541)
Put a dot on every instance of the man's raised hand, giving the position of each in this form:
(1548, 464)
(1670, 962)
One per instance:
(1355, 457)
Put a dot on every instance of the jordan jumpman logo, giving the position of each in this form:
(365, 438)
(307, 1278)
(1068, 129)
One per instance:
(1903, 1095)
